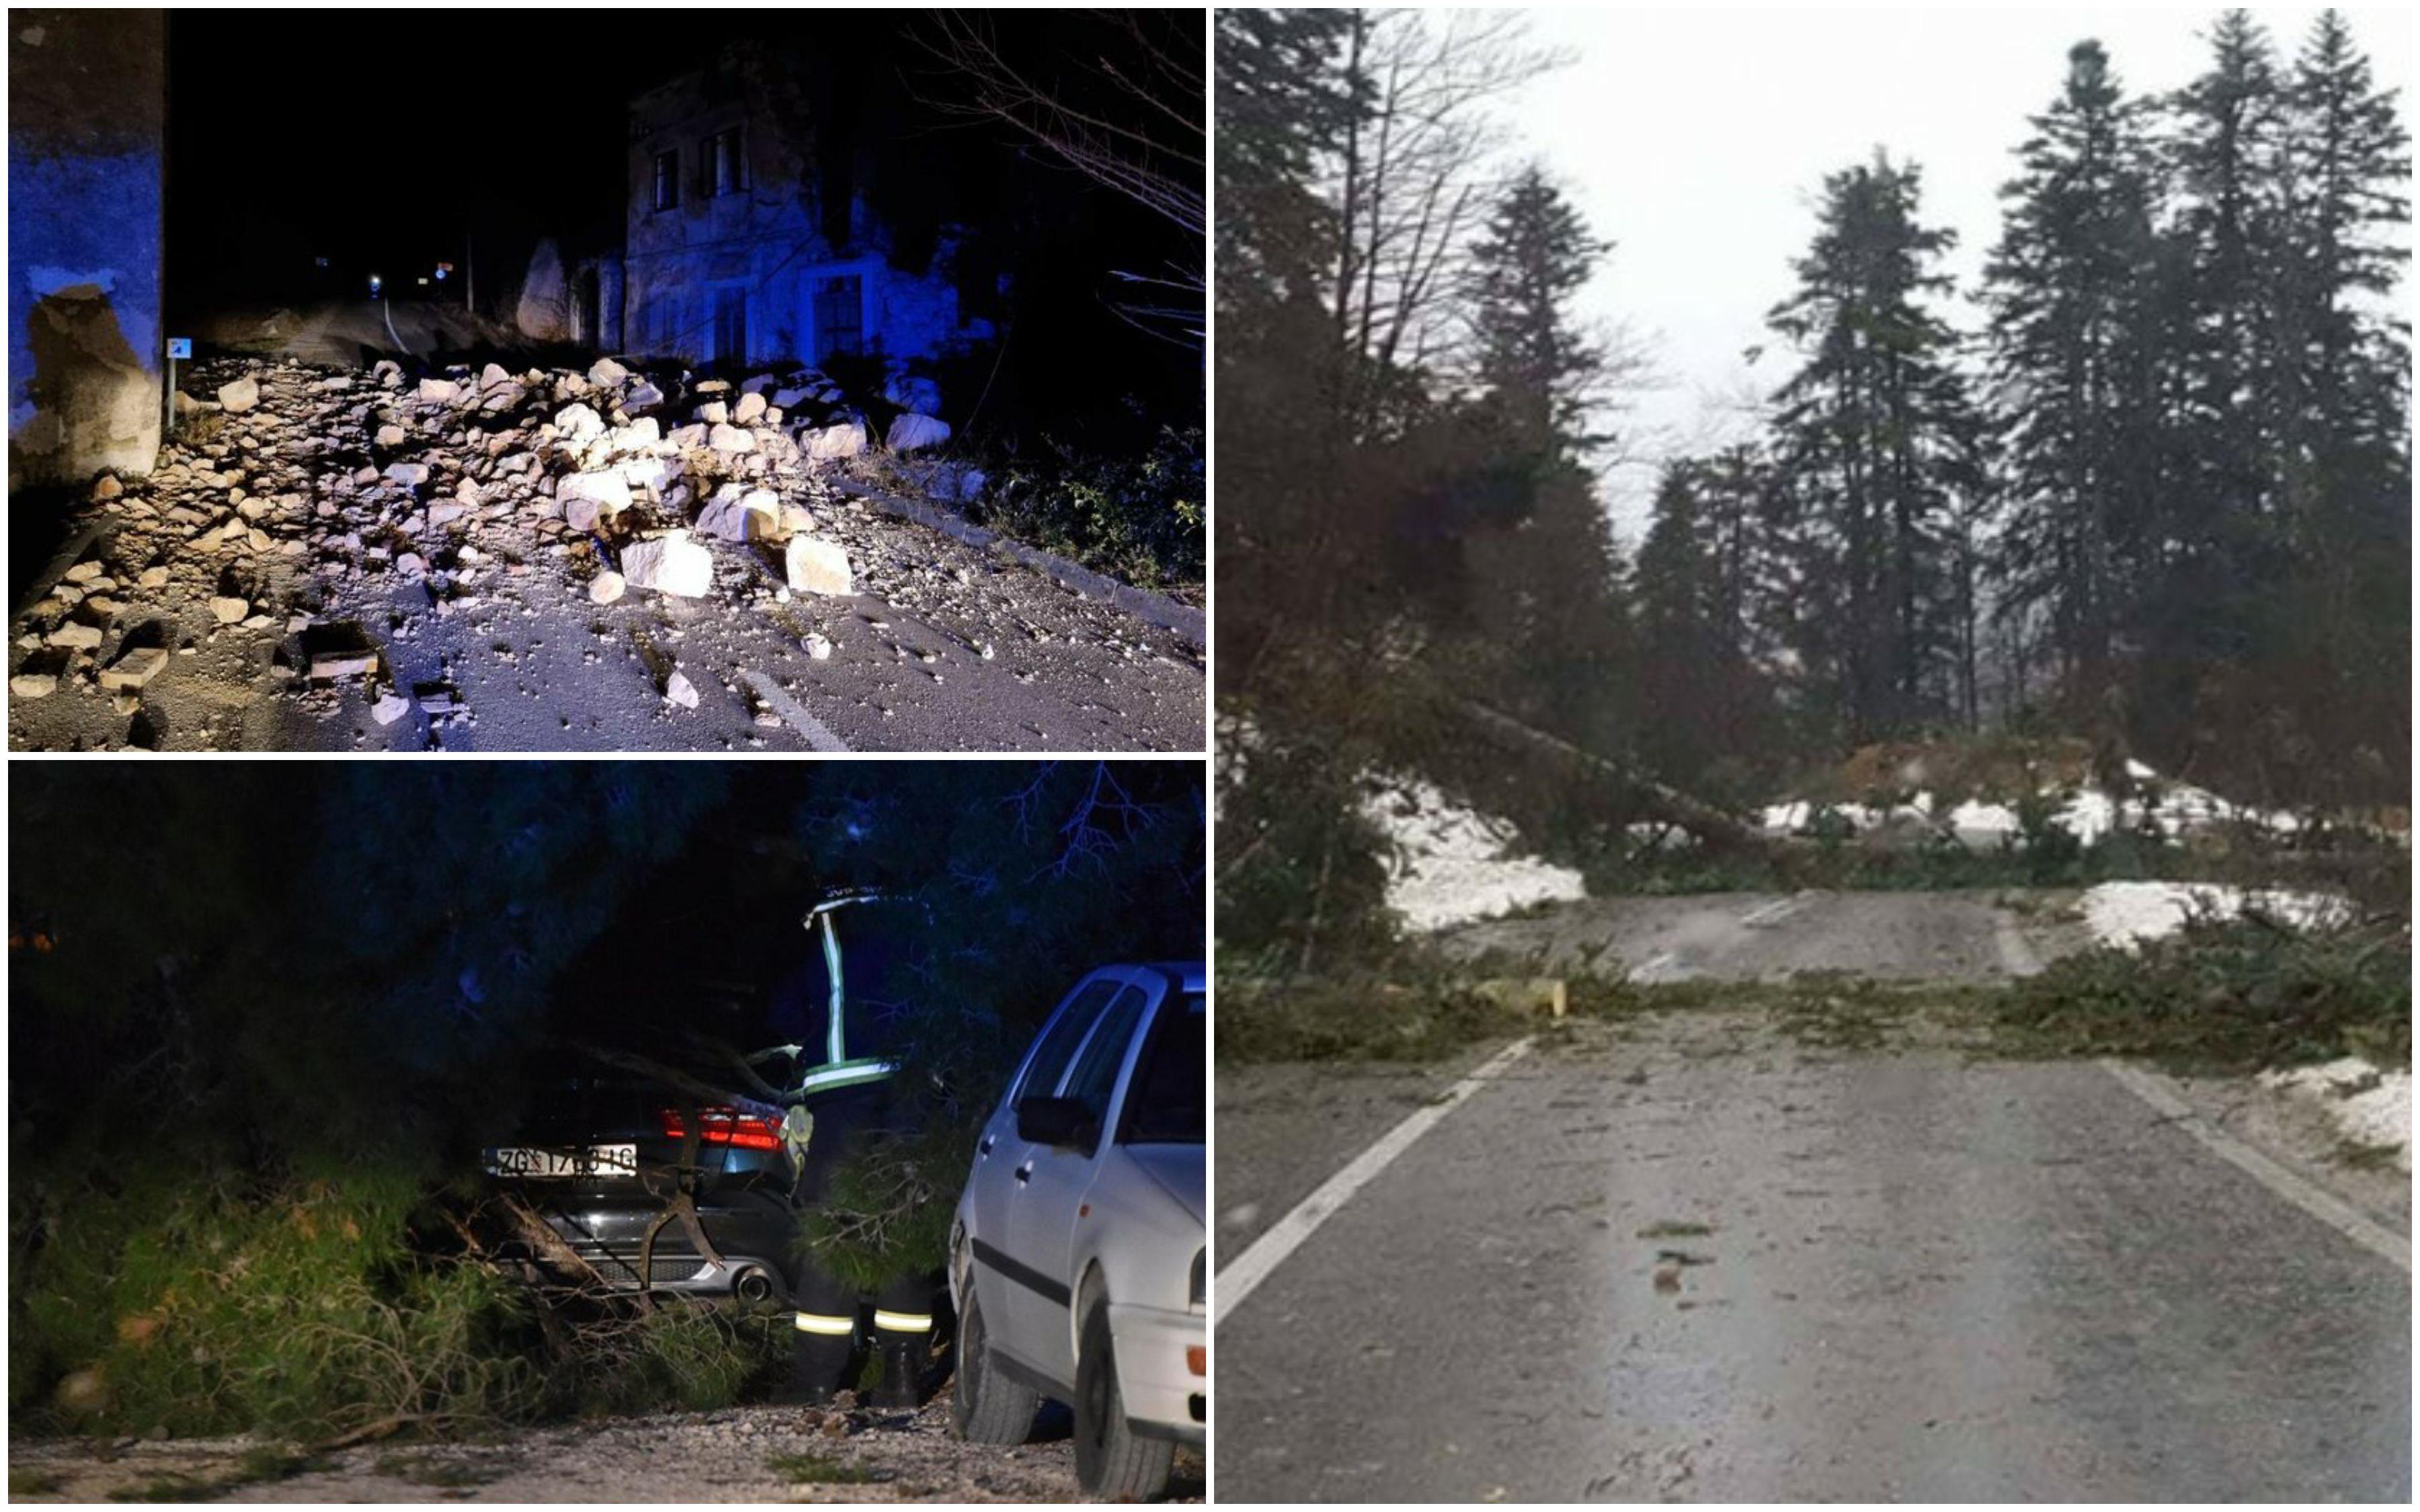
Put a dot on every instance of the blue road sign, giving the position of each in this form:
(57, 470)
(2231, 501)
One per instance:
(181, 346)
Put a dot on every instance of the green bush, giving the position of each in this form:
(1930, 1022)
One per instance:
(644, 1356)
(886, 1212)
(302, 1308)
(1139, 519)
(2236, 994)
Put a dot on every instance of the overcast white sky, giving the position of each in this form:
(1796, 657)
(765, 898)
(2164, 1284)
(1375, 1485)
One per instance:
(1696, 141)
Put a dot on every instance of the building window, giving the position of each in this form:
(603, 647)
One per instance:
(840, 317)
(726, 170)
(730, 325)
(667, 180)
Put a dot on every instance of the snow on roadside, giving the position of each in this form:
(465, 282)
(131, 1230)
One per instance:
(2129, 913)
(2088, 813)
(1454, 864)
(2368, 1105)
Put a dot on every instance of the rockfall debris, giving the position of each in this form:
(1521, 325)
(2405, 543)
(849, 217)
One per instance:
(300, 485)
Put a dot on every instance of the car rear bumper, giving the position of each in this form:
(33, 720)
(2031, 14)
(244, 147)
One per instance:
(611, 1235)
(687, 1275)
(1164, 1399)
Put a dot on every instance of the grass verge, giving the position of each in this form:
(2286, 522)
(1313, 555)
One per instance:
(815, 1469)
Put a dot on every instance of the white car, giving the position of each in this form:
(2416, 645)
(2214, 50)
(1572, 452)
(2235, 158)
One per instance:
(1077, 1259)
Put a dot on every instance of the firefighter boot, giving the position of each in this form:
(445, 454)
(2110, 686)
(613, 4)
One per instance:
(903, 1342)
(823, 1336)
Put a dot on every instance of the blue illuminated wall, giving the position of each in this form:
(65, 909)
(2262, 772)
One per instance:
(758, 237)
(87, 107)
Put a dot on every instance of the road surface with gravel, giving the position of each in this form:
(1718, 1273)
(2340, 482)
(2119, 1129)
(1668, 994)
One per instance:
(748, 1454)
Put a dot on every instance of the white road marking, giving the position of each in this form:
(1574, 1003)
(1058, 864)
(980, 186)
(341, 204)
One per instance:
(2017, 956)
(1769, 912)
(819, 735)
(2320, 1203)
(1656, 967)
(1238, 1278)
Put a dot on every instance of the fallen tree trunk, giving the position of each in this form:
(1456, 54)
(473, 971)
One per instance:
(1662, 800)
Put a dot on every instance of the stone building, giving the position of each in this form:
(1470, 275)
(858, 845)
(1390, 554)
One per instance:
(740, 251)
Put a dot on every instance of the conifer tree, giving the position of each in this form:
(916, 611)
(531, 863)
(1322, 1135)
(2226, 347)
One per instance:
(2072, 295)
(1868, 438)
(1550, 582)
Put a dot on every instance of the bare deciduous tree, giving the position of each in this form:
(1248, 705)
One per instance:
(1130, 120)
(1414, 177)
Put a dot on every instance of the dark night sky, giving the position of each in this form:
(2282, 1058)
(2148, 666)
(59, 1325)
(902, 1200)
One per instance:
(355, 133)
(385, 130)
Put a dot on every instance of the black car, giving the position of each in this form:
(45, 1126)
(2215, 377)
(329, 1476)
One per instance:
(599, 1160)
(598, 1157)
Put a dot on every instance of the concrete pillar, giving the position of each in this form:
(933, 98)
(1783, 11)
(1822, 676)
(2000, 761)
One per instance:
(87, 119)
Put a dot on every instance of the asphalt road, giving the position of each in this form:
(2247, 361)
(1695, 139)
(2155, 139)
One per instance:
(1689, 1257)
(1932, 937)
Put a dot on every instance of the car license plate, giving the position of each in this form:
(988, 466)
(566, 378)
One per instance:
(596, 1160)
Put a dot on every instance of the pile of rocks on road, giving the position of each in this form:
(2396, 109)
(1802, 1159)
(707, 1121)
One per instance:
(301, 492)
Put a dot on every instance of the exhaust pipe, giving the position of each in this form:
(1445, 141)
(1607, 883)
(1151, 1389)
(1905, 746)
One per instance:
(753, 1284)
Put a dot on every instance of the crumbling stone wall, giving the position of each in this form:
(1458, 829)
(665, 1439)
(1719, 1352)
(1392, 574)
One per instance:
(88, 112)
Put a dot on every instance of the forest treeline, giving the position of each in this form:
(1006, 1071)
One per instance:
(2158, 500)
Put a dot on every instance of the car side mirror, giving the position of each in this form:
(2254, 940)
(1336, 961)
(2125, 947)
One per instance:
(1061, 1121)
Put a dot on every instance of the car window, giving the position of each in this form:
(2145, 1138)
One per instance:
(1095, 1078)
(1058, 1042)
(1168, 1102)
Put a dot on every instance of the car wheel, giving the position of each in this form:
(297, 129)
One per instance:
(987, 1407)
(1111, 1460)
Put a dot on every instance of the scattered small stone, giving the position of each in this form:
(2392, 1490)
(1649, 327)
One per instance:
(606, 587)
(239, 396)
(588, 496)
(816, 567)
(677, 689)
(230, 611)
(135, 668)
(327, 666)
(33, 685)
(390, 707)
(819, 646)
(78, 637)
(832, 443)
(671, 563)
(913, 432)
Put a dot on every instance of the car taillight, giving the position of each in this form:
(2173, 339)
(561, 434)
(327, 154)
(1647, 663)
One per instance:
(725, 1126)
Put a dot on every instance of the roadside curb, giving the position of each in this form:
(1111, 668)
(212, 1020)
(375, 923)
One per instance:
(2321, 1204)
